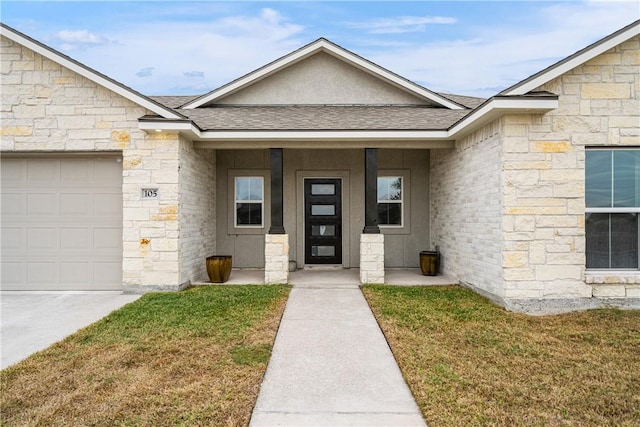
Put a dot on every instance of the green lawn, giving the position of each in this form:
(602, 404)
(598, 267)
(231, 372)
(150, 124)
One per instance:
(469, 362)
(189, 358)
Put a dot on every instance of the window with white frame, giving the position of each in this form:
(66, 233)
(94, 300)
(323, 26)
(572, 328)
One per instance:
(390, 209)
(249, 201)
(612, 193)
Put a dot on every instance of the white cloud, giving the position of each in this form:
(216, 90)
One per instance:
(145, 72)
(79, 39)
(496, 57)
(402, 24)
(225, 49)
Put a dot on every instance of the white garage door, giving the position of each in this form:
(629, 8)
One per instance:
(61, 223)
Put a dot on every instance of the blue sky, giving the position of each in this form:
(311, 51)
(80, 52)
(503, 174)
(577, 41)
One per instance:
(179, 47)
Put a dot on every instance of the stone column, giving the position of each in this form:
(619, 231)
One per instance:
(371, 258)
(276, 258)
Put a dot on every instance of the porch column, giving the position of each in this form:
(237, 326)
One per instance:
(276, 242)
(371, 191)
(276, 192)
(371, 240)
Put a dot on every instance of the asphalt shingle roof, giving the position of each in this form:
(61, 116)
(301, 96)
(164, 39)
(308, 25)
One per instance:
(467, 101)
(323, 117)
(174, 101)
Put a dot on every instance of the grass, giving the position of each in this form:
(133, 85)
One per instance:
(469, 362)
(190, 358)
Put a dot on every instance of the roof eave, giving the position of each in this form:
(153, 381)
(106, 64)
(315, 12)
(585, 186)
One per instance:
(488, 111)
(185, 127)
(499, 106)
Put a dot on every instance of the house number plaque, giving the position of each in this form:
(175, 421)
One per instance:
(149, 193)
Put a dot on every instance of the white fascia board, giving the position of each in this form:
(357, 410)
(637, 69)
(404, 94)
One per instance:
(88, 73)
(388, 135)
(497, 107)
(195, 134)
(322, 45)
(563, 67)
(330, 144)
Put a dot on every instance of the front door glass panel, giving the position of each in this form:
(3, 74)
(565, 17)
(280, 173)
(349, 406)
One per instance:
(323, 230)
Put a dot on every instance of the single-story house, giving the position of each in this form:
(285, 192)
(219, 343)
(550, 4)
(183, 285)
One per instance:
(322, 157)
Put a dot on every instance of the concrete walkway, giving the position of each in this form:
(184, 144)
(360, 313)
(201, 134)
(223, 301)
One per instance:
(331, 366)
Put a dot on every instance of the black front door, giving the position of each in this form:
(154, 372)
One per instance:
(323, 221)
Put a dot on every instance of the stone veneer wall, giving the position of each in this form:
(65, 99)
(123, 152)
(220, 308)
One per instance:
(466, 206)
(544, 158)
(48, 108)
(197, 210)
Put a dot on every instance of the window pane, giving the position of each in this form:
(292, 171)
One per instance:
(626, 167)
(249, 188)
(597, 233)
(249, 213)
(624, 240)
(323, 230)
(323, 250)
(323, 189)
(323, 210)
(389, 213)
(389, 188)
(598, 178)
(255, 188)
(242, 188)
(617, 248)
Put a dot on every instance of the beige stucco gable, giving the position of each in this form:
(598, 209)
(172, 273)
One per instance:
(321, 79)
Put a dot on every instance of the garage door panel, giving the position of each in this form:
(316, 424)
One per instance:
(107, 204)
(13, 239)
(13, 204)
(76, 170)
(43, 239)
(43, 273)
(107, 238)
(106, 171)
(105, 273)
(75, 238)
(75, 204)
(61, 223)
(43, 170)
(13, 273)
(14, 172)
(75, 272)
(42, 204)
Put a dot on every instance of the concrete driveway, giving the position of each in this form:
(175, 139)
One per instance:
(32, 321)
